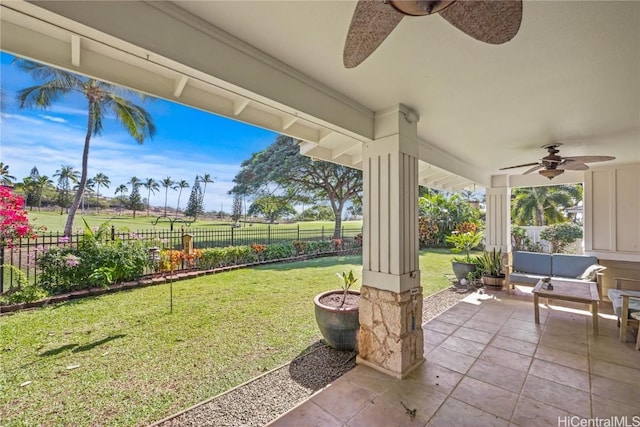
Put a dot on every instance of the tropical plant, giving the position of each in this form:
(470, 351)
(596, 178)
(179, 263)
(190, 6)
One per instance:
(101, 97)
(100, 180)
(490, 263)
(135, 203)
(348, 280)
(21, 290)
(66, 176)
(5, 177)
(543, 205)
(206, 179)
(444, 214)
(14, 223)
(561, 235)
(464, 242)
(180, 185)
(152, 186)
(122, 189)
(167, 183)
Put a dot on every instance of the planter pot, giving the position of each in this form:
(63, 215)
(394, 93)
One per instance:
(497, 281)
(339, 326)
(462, 269)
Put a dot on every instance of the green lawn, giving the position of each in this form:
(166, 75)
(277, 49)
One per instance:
(53, 221)
(137, 363)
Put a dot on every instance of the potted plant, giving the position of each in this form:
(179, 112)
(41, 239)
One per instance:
(491, 267)
(463, 242)
(337, 314)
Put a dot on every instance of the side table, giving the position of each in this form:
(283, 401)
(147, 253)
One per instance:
(636, 315)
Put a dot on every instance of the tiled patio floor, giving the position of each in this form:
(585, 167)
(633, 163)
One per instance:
(489, 364)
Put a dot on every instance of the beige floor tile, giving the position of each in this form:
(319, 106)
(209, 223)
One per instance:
(489, 317)
(506, 358)
(433, 337)
(616, 372)
(464, 309)
(520, 334)
(483, 326)
(459, 414)
(461, 345)
(369, 379)
(560, 396)
(487, 397)
(524, 325)
(532, 413)
(425, 399)
(308, 414)
(381, 414)
(512, 344)
(606, 408)
(343, 399)
(473, 335)
(435, 325)
(561, 357)
(560, 374)
(528, 316)
(451, 359)
(628, 394)
(565, 343)
(500, 376)
(454, 319)
(436, 376)
(612, 350)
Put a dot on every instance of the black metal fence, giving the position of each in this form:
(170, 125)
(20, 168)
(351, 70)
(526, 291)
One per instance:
(24, 252)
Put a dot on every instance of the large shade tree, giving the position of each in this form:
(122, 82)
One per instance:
(280, 170)
(543, 205)
(102, 99)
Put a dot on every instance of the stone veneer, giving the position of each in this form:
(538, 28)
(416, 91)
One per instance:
(390, 341)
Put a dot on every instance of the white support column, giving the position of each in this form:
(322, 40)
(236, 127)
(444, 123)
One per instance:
(391, 302)
(498, 221)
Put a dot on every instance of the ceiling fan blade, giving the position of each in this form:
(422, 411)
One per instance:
(520, 166)
(571, 165)
(372, 22)
(493, 22)
(533, 169)
(589, 159)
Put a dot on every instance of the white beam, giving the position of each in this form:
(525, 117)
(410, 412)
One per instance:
(179, 86)
(288, 121)
(75, 50)
(343, 150)
(239, 105)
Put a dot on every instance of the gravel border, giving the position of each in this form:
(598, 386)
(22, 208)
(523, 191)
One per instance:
(262, 399)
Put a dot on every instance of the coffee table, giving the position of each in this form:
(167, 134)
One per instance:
(569, 290)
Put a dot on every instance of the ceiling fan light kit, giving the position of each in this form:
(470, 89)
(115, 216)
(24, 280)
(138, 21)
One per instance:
(551, 173)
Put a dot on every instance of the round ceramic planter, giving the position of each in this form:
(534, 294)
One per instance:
(339, 326)
(462, 269)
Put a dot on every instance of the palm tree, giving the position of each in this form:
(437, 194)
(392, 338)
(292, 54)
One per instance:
(100, 180)
(167, 183)
(66, 176)
(42, 183)
(542, 205)
(5, 177)
(101, 97)
(134, 197)
(206, 178)
(122, 189)
(152, 186)
(181, 185)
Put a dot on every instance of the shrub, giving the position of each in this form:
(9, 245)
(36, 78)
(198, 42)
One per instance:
(464, 242)
(21, 290)
(319, 246)
(561, 235)
(427, 232)
(280, 251)
(300, 245)
(231, 255)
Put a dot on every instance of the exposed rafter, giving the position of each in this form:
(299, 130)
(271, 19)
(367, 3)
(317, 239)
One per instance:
(239, 105)
(75, 50)
(179, 86)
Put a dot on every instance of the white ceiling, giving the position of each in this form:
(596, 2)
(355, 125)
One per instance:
(572, 74)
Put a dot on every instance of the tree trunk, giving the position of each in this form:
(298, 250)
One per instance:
(83, 175)
(337, 212)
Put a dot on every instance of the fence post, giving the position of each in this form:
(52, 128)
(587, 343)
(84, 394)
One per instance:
(268, 234)
(323, 232)
(298, 232)
(232, 237)
(1, 268)
(342, 233)
(113, 232)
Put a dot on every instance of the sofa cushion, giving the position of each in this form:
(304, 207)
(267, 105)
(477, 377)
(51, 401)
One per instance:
(529, 279)
(591, 272)
(616, 299)
(533, 263)
(570, 265)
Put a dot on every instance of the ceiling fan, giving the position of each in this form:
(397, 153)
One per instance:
(490, 21)
(553, 164)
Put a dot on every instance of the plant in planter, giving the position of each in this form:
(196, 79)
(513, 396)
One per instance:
(463, 242)
(337, 314)
(491, 268)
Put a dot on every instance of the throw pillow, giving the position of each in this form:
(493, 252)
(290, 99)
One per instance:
(591, 272)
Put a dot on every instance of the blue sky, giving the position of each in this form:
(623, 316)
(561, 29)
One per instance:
(187, 142)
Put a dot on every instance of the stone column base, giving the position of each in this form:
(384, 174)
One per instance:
(391, 339)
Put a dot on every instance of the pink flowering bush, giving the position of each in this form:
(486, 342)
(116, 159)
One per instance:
(14, 223)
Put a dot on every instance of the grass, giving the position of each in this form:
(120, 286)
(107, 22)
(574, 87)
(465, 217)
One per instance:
(53, 221)
(138, 363)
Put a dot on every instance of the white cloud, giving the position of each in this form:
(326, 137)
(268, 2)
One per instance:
(54, 119)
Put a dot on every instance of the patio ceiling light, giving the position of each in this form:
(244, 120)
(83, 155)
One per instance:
(551, 173)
